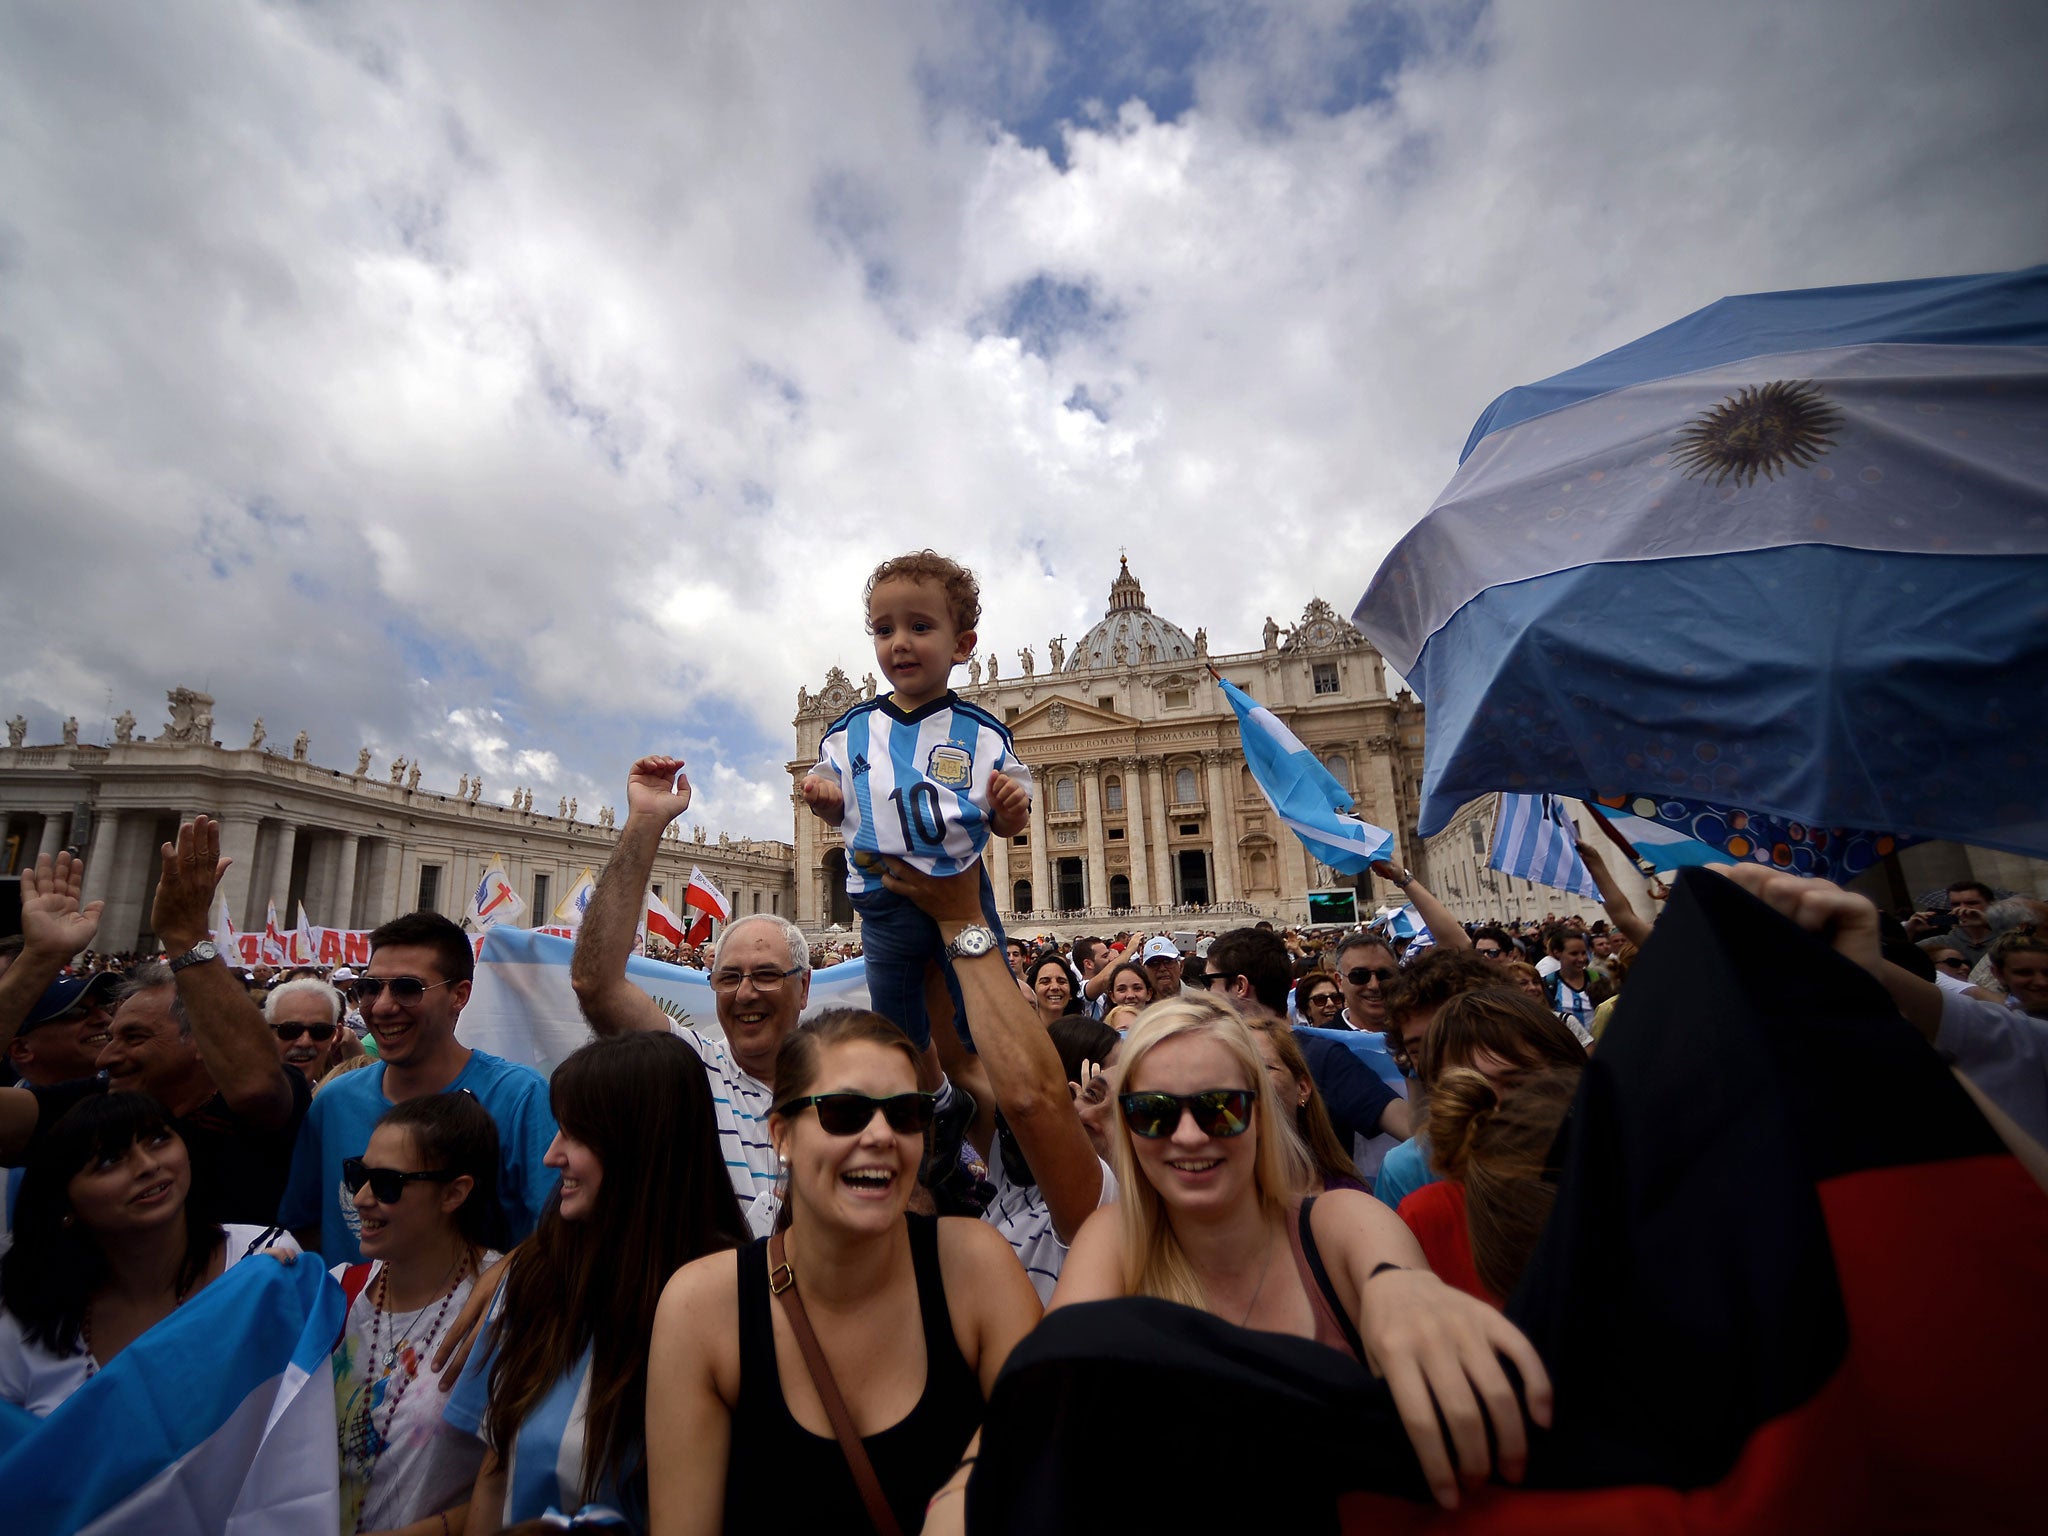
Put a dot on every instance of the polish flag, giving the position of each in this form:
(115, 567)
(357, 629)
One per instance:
(706, 897)
(663, 923)
(274, 944)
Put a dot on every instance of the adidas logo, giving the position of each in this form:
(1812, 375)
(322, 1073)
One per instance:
(860, 765)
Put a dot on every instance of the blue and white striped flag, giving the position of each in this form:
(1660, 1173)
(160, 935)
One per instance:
(1303, 793)
(1534, 838)
(220, 1418)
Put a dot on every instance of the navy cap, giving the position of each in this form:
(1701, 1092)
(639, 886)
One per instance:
(65, 994)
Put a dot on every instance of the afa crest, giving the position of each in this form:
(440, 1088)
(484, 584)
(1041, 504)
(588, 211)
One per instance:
(951, 766)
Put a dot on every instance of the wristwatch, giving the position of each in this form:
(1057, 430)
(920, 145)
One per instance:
(198, 954)
(970, 943)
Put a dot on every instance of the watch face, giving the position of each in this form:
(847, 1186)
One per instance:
(974, 941)
(205, 950)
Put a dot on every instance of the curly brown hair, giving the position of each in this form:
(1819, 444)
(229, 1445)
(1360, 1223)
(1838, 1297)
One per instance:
(963, 592)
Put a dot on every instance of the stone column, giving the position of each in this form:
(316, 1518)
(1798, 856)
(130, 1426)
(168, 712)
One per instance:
(996, 853)
(341, 899)
(53, 835)
(282, 847)
(1098, 855)
(1222, 828)
(1160, 853)
(99, 859)
(808, 912)
(238, 846)
(1041, 886)
(1134, 832)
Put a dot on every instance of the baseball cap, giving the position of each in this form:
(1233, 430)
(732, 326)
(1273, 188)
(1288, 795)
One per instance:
(342, 974)
(66, 993)
(1161, 948)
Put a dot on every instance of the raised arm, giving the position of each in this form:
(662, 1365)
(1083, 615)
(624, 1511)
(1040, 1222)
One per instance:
(1634, 927)
(657, 792)
(1022, 1064)
(1448, 932)
(228, 1027)
(54, 927)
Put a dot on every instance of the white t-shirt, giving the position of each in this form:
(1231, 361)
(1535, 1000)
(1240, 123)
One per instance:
(395, 1446)
(1548, 966)
(37, 1378)
(1020, 1213)
(740, 1102)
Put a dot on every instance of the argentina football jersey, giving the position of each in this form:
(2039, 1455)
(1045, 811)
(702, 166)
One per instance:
(916, 783)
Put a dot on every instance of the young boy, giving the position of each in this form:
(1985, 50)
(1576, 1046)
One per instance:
(920, 775)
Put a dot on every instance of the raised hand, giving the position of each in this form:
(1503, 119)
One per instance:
(52, 921)
(192, 867)
(657, 787)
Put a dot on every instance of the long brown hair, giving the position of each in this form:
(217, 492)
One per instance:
(1510, 1024)
(642, 1105)
(1498, 1147)
(1311, 1115)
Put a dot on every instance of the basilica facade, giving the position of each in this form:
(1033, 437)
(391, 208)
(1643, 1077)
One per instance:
(1145, 811)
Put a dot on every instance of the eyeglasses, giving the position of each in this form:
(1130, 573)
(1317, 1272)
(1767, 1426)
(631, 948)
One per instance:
(848, 1114)
(1210, 978)
(387, 1185)
(1957, 964)
(1323, 1000)
(406, 991)
(319, 1034)
(1487, 952)
(766, 978)
(1359, 975)
(1218, 1112)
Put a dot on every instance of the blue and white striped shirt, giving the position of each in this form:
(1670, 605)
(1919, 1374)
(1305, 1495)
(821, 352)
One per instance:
(916, 784)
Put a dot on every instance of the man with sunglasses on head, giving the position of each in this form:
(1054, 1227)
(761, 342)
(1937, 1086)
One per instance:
(411, 994)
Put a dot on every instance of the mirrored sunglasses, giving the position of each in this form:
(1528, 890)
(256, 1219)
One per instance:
(1218, 1112)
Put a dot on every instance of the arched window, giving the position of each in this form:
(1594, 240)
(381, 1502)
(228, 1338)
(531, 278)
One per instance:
(1183, 786)
(1119, 892)
(1113, 794)
(1063, 795)
(1020, 897)
(1340, 768)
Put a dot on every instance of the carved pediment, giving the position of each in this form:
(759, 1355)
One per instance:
(1062, 716)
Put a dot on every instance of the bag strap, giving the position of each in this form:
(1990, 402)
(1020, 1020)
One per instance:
(782, 1284)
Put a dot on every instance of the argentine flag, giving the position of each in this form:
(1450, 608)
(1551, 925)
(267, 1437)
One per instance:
(1535, 839)
(1302, 792)
(1788, 553)
(218, 1419)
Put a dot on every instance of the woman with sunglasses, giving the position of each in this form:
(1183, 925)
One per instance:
(1320, 1000)
(1213, 1216)
(426, 1191)
(558, 1388)
(1052, 988)
(106, 1244)
(913, 1316)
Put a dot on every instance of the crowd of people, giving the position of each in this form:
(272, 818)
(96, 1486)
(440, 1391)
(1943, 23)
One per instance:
(767, 1277)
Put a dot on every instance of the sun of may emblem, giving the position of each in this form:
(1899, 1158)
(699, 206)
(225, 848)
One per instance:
(1758, 431)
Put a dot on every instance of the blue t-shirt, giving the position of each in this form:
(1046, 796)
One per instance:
(1405, 1170)
(543, 1468)
(344, 1113)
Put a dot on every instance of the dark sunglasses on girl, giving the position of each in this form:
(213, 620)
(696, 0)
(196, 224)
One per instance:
(387, 1185)
(1218, 1112)
(319, 1034)
(848, 1114)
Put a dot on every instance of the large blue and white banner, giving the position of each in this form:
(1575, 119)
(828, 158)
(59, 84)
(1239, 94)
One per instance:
(524, 1009)
(1789, 553)
(219, 1419)
(1303, 793)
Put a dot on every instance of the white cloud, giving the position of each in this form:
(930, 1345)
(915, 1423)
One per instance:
(586, 368)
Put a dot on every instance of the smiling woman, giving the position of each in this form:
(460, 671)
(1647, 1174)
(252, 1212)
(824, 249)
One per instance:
(902, 1321)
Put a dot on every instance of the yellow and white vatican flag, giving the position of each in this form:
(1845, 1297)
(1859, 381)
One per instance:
(577, 900)
(493, 900)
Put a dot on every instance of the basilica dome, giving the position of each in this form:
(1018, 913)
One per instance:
(1130, 633)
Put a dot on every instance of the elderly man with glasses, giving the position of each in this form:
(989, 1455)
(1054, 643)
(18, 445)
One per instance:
(760, 984)
(411, 995)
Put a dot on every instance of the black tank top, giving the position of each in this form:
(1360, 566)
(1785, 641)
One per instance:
(781, 1477)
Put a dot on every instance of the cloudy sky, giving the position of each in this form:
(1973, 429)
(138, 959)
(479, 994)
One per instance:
(523, 387)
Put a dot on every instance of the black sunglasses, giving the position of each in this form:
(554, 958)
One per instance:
(848, 1114)
(387, 1185)
(319, 1034)
(1210, 978)
(1218, 1112)
(1487, 951)
(1359, 975)
(405, 990)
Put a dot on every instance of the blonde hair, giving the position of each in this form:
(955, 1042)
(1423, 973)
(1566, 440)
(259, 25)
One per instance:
(1154, 1262)
(1130, 1013)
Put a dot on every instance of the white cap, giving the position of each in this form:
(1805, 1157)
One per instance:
(342, 973)
(1161, 948)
